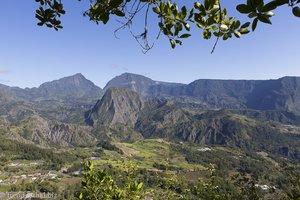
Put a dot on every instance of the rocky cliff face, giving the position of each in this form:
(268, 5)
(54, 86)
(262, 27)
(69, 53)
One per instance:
(163, 119)
(118, 105)
(282, 94)
(47, 133)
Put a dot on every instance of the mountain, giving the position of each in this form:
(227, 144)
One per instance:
(47, 133)
(74, 88)
(137, 83)
(8, 94)
(68, 88)
(281, 94)
(135, 106)
(163, 119)
(65, 100)
(134, 82)
(211, 94)
(118, 105)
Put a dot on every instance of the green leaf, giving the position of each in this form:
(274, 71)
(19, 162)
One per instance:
(244, 31)
(140, 185)
(197, 5)
(243, 8)
(247, 24)
(257, 3)
(105, 18)
(215, 8)
(218, 34)
(237, 24)
(178, 42)
(184, 12)
(187, 26)
(226, 36)
(191, 13)
(296, 11)
(156, 10)
(40, 23)
(172, 42)
(214, 28)
(237, 34)
(118, 13)
(254, 24)
(269, 6)
(281, 2)
(252, 14)
(264, 19)
(115, 3)
(186, 35)
(206, 4)
(206, 34)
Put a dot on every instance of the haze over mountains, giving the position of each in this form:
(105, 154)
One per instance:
(72, 111)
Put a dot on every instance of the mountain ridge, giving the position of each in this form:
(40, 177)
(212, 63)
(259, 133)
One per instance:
(156, 110)
(274, 94)
(163, 119)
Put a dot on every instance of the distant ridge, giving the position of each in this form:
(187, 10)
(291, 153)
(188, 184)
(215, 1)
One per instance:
(137, 83)
(76, 86)
(71, 88)
(277, 94)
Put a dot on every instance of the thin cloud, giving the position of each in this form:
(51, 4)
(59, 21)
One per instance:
(4, 70)
(4, 81)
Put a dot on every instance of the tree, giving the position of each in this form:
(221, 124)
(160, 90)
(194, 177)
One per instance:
(174, 21)
(101, 185)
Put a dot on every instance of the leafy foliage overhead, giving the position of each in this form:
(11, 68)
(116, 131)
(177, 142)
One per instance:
(174, 21)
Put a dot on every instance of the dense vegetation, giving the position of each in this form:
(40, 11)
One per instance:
(19, 151)
(125, 182)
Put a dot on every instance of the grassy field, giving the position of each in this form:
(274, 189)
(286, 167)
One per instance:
(149, 154)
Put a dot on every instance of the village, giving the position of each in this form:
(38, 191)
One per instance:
(16, 172)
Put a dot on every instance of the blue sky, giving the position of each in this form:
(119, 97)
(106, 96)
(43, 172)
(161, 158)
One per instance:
(31, 55)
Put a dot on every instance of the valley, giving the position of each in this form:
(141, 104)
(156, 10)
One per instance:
(164, 131)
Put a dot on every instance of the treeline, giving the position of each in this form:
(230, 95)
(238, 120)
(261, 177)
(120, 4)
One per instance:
(14, 150)
(126, 182)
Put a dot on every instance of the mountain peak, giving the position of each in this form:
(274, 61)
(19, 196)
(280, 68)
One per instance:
(78, 76)
(118, 105)
(132, 75)
(75, 86)
(134, 82)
